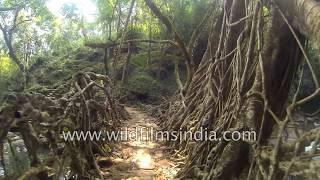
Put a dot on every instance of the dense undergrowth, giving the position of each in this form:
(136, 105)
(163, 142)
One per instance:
(145, 83)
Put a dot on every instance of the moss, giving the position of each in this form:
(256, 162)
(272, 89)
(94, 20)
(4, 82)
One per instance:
(57, 72)
(140, 60)
(142, 83)
(35, 87)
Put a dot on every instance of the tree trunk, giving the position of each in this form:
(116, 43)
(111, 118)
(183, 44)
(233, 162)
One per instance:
(123, 36)
(105, 60)
(304, 16)
(149, 45)
(243, 83)
(7, 35)
(172, 29)
(119, 19)
(124, 71)
(111, 19)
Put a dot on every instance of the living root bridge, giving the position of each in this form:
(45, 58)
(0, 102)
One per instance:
(40, 120)
(113, 44)
(243, 83)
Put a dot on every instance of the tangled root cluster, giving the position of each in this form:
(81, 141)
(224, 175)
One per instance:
(241, 84)
(40, 121)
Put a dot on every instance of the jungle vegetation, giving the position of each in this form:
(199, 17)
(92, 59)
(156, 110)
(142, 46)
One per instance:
(222, 65)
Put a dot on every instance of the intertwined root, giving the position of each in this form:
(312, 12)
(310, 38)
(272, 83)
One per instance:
(87, 106)
(243, 84)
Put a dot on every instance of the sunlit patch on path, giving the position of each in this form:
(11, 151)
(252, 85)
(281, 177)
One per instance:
(136, 159)
(144, 159)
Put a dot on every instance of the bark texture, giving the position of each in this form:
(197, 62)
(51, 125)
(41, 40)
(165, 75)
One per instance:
(304, 16)
(242, 83)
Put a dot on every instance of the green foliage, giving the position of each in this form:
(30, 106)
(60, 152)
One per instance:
(187, 15)
(8, 71)
(142, 83)
(7, 68)
(105, 9)
(140, 60)
(58, 71)
(265, 11)
(134, 32)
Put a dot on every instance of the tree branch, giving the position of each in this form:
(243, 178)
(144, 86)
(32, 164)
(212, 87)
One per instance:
(171, 28)
(109, 45)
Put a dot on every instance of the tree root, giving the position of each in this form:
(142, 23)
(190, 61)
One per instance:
(87, 107)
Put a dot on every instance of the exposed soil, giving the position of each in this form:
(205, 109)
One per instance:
(139, 158)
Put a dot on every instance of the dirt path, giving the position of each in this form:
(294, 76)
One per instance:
(137, 158)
